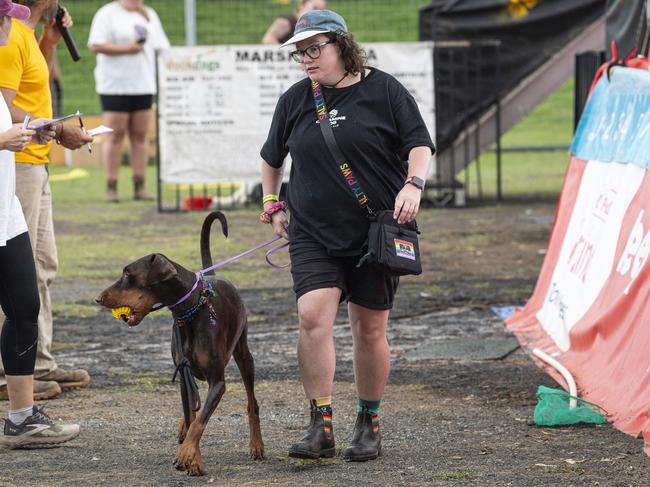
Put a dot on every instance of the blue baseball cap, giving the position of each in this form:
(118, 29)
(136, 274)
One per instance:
(316, 22)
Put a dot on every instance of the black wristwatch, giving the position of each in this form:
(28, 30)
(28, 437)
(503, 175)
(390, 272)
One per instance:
(415, 181)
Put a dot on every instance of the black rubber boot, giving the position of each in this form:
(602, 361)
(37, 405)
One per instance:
(139, 193)
(316, 443)
(365, 444)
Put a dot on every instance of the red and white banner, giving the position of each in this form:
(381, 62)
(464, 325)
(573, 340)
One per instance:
(590, 308)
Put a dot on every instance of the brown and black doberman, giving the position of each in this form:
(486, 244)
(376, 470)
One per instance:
(210, 326)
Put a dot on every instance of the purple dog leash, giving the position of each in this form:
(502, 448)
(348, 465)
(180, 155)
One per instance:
(202, 272)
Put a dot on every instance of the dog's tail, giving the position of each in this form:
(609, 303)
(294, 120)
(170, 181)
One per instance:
(206, 256)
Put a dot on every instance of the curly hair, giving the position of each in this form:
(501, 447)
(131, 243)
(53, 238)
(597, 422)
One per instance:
(353, 55)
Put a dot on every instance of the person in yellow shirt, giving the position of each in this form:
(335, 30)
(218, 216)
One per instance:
(24, 84)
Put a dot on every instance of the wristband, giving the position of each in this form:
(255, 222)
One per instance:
(265, 216)
(269, 197)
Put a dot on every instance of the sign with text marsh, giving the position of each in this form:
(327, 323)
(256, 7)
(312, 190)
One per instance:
(215, 103)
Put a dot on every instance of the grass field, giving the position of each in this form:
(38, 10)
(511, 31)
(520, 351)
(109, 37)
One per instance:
(531, 174)
(228, 22)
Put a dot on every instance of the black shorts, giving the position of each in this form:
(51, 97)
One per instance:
(125, 103)
(313, 268)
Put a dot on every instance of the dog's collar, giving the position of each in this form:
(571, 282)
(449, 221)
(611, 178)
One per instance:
(187, 315)
(199, 278)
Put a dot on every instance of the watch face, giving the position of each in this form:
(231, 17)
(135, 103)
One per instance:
(417, 182)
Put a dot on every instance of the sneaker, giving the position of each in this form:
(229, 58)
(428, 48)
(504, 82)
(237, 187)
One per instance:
(42, 390)
(111, 192)
(67, 379)
(111, 196)
(37, 430)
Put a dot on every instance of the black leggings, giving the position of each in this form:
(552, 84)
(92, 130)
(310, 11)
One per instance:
(20, 304)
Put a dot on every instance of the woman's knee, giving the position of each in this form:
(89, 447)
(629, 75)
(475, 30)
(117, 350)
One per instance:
(370, 329)
(30, 307)
(137, 136)
(26, 310)
(117, 136)
(312, 320)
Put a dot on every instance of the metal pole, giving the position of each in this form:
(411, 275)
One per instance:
(498, 124)
(158, 180)
(190, 22)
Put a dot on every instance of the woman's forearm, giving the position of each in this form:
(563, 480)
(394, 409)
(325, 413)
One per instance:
(419, 160)
(271, 179)
(115, 49)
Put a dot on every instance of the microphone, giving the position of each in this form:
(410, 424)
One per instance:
(65, 33)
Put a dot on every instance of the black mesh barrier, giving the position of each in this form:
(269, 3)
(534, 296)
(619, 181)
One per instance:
(587, 63)
(529, 33)
(626, 24)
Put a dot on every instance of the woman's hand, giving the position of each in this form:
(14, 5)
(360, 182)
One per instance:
(41, 136)
(72, 137)
(407, 204)
(51, 34)
(279, 222)
(134, 47)
(16, 138)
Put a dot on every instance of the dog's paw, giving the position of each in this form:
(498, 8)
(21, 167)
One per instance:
(257, 450)
(189, 460)
(182, 431)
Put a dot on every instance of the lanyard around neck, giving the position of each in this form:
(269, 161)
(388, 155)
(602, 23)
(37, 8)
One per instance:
(339, 158)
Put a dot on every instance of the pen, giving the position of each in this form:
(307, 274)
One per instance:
(26, 121)
(81, 124)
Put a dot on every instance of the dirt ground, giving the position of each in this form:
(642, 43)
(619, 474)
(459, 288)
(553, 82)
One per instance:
(445, 421)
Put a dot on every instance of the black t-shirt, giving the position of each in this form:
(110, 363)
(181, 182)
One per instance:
(376, 123)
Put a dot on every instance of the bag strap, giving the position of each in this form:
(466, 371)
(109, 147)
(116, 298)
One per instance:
(339, 158)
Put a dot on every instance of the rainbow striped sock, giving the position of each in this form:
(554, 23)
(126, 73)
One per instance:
(373, 409)
(324, 405)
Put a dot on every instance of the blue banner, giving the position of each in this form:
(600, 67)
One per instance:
(615, 125)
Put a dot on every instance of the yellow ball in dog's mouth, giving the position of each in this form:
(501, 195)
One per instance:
(122, 313)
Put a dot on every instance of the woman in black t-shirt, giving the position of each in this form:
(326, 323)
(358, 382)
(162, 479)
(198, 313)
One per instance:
(377, 126)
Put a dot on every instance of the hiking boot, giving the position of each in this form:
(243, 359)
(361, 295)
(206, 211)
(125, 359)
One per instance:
(37, 430)
(318, 442)
(366, 439)
(67, 379)
(42, 390)
(111, 192)
(139, 193)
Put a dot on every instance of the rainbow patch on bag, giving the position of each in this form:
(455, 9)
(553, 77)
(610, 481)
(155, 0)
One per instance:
(404, 249)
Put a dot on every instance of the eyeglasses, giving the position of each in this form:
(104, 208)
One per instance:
(313, 52)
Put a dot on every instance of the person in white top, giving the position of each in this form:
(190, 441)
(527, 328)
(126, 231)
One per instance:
(27, 425)
(125, 35)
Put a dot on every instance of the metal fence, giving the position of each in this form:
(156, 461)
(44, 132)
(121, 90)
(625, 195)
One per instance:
(228, 22)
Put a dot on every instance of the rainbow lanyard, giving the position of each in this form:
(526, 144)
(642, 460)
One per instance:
(344, 167)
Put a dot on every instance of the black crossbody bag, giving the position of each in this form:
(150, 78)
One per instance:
(390, 246)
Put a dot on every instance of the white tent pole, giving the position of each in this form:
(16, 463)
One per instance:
(573, 390)
(190, 22)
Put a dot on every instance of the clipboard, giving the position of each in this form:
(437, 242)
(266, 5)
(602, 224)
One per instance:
(57, 121)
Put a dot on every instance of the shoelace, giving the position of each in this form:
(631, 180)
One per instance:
(42, 416)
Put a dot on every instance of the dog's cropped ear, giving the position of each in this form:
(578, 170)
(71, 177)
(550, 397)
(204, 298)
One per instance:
(160, 269)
